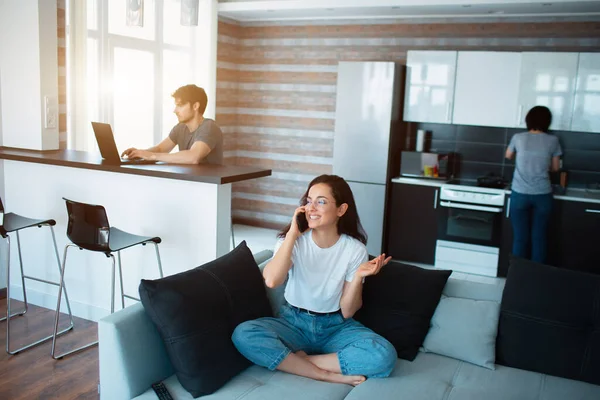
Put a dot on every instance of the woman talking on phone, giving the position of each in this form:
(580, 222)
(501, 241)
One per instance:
(322, 254)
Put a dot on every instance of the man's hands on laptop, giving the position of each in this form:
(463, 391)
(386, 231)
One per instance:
(132, 153)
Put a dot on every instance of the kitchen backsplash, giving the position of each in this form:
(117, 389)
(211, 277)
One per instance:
(482, 150)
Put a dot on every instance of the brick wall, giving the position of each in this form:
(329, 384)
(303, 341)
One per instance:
(276, 88)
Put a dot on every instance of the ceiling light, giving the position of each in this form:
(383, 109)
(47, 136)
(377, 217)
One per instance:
(466, 5)
(329, 9)
(546, 4)
(496, 12)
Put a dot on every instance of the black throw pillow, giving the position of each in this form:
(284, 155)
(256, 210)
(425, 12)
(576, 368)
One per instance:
(550, 321)
(398, 304)
(196, 312)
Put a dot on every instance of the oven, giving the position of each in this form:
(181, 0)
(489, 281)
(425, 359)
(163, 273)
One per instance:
(469, 229)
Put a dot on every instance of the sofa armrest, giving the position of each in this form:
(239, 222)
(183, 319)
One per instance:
(131, 353)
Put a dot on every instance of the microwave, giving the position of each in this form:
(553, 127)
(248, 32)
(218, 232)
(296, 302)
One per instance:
(417, 164)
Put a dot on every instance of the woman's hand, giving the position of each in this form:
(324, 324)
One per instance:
(294, 229)
(372, 267)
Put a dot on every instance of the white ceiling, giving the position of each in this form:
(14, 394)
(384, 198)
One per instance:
(282, 10)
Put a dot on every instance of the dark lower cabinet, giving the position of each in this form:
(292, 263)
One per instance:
(578, 236)
(573, 237)
(412, 223)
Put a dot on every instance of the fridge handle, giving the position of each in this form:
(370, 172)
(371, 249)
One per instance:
(435, 199)
(508, 208)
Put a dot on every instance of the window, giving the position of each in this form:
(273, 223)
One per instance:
(125, 75)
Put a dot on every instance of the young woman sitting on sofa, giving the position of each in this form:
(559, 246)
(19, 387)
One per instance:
(322, 253)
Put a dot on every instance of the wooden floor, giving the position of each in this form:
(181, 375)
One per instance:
(33, 374)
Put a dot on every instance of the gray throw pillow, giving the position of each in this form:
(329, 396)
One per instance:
(464, 329)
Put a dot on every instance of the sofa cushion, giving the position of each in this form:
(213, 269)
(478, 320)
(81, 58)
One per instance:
(258, 383)
(398, 304)
(464, 329)
(196, 312)
(550, 321)
(434, 377)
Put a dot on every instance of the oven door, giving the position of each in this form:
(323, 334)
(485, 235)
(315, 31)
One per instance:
(470, 223)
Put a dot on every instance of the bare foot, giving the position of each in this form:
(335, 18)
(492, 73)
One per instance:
(353, 380)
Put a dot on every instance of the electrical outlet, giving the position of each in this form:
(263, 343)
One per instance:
(51, 119)
(50, 112)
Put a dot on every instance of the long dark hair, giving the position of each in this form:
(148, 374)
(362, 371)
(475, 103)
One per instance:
(349, 223)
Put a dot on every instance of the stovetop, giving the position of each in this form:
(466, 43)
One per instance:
(473, 182)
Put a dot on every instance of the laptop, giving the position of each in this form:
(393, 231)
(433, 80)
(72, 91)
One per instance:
(108, 147)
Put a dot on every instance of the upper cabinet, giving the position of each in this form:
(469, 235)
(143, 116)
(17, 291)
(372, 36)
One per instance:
(487, 88)
(430, 86)
(586, 115)
(548, 79)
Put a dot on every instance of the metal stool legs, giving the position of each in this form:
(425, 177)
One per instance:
(160, 270)
(9, 315)
(112, 295)
(232, 235)
(57, 315)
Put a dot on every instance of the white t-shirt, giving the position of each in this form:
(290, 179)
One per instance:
(316, 278)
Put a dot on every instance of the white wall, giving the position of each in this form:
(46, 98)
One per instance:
(2, 242)
(206, 52)
(28, 72)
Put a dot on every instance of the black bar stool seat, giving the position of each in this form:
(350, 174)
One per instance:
(120, 240)
(88, 229)
(14, 223)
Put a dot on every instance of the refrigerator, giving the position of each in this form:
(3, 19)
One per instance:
(368, 134)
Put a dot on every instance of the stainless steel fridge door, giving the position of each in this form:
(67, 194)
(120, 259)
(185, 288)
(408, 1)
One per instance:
(370, 202)
(363, 118)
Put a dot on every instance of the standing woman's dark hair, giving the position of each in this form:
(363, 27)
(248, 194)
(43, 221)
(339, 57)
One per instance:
(538, 118)
(349, 223)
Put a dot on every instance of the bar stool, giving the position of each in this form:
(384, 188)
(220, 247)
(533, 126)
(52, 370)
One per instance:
(88, 229)
(9, 223)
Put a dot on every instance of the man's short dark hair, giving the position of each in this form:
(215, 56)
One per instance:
(538, 118)
(192, 94)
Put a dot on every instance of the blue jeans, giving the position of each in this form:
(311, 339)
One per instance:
(530, 216)
(268, 341)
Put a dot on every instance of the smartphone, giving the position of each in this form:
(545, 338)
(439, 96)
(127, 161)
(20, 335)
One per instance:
(302, 221)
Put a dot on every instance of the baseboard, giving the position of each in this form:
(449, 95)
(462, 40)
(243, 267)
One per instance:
(258, 223)
(81, 310)
(2, 293)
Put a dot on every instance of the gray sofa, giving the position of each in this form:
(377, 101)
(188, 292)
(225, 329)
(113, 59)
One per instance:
(132, 357)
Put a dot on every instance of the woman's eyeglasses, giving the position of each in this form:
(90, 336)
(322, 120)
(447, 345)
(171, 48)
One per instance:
(318, 204)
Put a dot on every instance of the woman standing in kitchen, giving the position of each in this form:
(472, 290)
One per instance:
(537, 154)
(322, 255)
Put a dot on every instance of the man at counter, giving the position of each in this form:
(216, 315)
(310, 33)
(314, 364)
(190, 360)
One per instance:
(200, 139)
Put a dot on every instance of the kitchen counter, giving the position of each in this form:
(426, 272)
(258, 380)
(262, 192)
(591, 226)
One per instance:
(187, 206)
(571, 194)
(206, 173)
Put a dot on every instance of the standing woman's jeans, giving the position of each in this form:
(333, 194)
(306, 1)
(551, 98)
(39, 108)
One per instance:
(530, 216)
(267, 341)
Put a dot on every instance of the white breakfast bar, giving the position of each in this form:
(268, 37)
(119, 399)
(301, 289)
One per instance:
(188, 206)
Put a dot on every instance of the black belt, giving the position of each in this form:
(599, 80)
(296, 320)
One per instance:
(309, 312)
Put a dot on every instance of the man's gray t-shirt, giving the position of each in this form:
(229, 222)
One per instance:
(534, 156)
(208, 132)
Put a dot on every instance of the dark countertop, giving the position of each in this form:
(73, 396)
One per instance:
(571, 194)
(206, 173)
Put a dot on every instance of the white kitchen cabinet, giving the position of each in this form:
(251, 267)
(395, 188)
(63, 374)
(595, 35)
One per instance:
(429, 86)
(487, 88)
(586, 114)
(548, 79)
